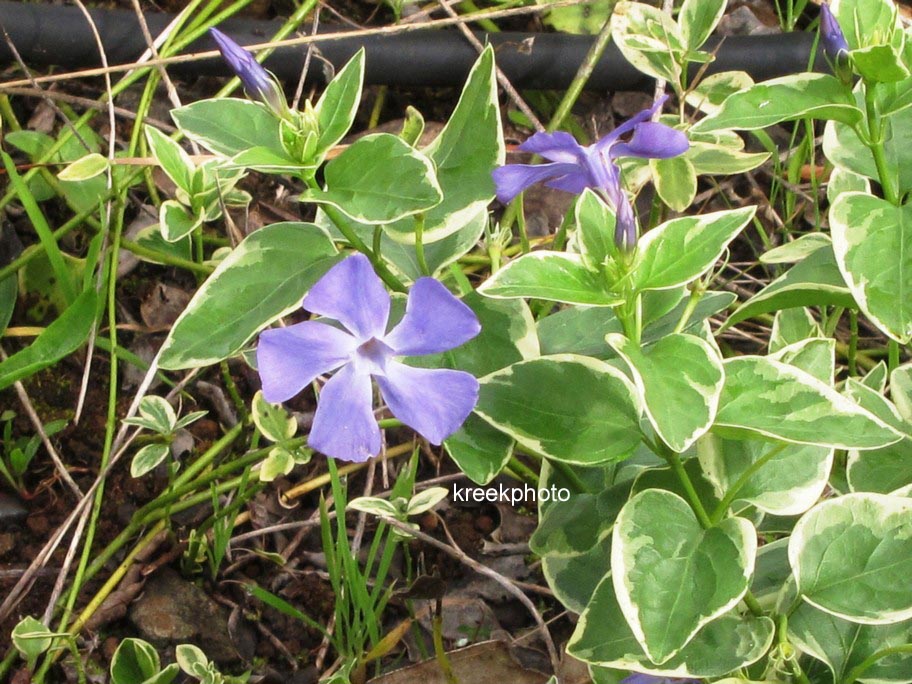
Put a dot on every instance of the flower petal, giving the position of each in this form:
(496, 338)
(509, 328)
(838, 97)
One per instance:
(556, 147)
(351, 293)
(432, 401)
(288, 359)
(652, 141)
(344, 426)
(434, 321)
(512, 179)
(631, 123)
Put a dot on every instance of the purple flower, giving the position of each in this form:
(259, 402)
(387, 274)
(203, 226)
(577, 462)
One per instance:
(258, 82)
(433, 402)
(835, 46)
(574, 167)
(641, 678)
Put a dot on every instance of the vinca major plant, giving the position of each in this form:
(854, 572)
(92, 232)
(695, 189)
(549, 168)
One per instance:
(733, 517)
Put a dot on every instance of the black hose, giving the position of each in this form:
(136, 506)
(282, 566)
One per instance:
(60, 35)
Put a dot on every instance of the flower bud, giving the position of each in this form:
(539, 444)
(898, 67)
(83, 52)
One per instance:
(258, 82)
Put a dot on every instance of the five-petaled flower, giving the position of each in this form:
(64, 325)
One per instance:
(434, 402)
(835, 45)
(258, 82)
(574, 167)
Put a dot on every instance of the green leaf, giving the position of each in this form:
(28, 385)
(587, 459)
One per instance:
(707, 158)
(554, 276)
(83, 169)
(338, 104)
(649, 39)
(815, 281)
(879, 64)
(662, 587)
(62, 337)
(588, 415)
(880, 470)
(697, 20)
(844, 645)
(602, 637)
(852, 557)
(465, 153)
(426, 500)
(901, 390)
(680, 378)
(147, 458)
(581, 330)
(264, 277)
(159, 413)
(796, 250)
(844, 149)
(867, 22)
(176, 221)
(480, 450)
(682, 249)
(872, 241)
(799, 96)
(595, 222)
(172, 158)
(278, 462)
(790, 481)
(816, 356)
(574, 540)
(711, 92)
(675, 181)
(31, 638)
(229, 126)
(134, 662)
(796, 407)
(272, 419)
(378, 179)
(374, 506)
(791, 326)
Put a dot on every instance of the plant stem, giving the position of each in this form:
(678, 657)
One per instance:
(419, 245)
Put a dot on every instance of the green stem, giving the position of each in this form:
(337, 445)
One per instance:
(695, 295)
(876, 145)
(892, 355)
(523, 472)
(355, 241)
(853, 342)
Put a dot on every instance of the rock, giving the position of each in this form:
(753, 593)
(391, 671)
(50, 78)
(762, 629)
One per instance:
(174, 611)
(12, 511)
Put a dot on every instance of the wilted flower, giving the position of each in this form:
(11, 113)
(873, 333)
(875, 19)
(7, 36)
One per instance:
(641, 678)
(258, 82)
(433, 402)
(574, 167)
(835, 45)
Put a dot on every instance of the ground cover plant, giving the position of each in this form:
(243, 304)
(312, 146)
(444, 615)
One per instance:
(271, 374)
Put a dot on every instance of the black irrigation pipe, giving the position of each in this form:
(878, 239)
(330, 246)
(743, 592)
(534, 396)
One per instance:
(59, 35)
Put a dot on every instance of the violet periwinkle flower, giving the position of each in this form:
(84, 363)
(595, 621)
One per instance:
(573, 167)
(259, 83)
(432, 401)
(641, 678)
(835, 45)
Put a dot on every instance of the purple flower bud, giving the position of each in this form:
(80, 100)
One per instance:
(835, 46)
(258, 82)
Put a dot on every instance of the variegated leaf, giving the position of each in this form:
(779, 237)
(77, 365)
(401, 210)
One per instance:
(872, 240)
(776, 400)
(680, 378)
(659, 554)
(554, 276)
(852, 557)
